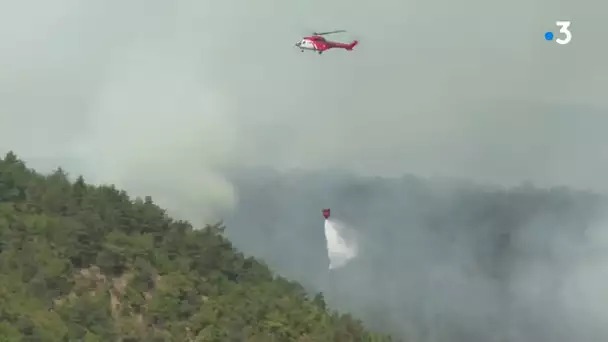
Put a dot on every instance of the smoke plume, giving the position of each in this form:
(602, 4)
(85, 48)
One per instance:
(161, 98)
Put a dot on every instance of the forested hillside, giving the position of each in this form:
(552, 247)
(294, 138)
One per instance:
(87, 263)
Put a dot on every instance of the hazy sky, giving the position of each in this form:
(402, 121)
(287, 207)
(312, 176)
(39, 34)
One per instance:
(157, 96)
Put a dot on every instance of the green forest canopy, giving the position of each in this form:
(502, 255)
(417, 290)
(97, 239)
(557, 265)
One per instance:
(86, 263)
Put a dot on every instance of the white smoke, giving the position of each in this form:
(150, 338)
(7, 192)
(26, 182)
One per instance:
(341, 244)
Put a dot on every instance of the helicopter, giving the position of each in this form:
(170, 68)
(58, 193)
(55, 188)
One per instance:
(318, 43)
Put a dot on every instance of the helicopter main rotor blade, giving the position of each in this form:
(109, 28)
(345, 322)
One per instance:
(330, 32)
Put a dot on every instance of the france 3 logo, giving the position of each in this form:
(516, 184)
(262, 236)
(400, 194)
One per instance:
(564, 28)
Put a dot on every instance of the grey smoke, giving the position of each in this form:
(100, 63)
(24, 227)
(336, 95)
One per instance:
(143, 93)
(440, 262)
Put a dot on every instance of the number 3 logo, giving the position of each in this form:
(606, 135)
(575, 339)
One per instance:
(564, 29)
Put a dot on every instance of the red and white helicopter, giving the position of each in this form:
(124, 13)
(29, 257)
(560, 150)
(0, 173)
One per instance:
(318, 43)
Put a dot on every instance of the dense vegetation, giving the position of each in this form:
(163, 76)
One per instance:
(87, 263)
